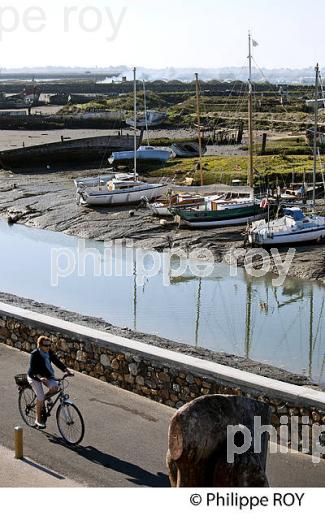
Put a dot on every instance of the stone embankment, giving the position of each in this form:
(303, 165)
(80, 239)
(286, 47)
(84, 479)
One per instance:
(167, 377)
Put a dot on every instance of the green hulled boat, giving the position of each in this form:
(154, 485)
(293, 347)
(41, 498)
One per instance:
(234, 214)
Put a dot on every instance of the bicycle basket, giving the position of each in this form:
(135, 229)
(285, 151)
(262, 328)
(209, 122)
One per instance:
(21, 380)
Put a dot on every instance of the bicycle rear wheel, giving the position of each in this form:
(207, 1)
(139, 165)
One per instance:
(70, 423)
(27, 405)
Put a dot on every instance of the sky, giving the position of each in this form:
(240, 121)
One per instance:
(161, 33)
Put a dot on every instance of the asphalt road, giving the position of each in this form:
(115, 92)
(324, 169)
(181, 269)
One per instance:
(126, 437)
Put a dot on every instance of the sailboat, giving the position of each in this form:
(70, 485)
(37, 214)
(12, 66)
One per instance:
(294, 226)
(217, 213)
(147, 155)
(122, 192)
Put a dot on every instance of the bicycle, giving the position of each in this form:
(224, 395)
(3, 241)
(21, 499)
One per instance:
(69, 420)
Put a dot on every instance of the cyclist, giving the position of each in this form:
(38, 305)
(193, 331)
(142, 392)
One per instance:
(41, 373)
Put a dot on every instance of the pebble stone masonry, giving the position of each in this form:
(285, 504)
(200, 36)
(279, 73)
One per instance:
(164, 376)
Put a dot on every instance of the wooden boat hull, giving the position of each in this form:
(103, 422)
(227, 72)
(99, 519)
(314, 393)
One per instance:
(187, 150)
(221, 218)
(166, 211)
(153, 119)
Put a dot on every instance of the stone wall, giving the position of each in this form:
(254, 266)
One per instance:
(163, 376)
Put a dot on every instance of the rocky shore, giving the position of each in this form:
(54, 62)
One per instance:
(47, 201)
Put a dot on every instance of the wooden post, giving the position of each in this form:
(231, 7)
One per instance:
(19, 444)
(240, 133)
(264, 144)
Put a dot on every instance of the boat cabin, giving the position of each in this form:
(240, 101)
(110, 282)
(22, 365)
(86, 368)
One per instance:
(295, 213)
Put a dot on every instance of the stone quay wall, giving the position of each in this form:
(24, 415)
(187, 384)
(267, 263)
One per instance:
(164, 376)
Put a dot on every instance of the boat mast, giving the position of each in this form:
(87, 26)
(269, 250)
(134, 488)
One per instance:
(250, 180)
(135, 295)
(198, 313)
(135, 121)
(248, 321)
(198, 113)
(311, 331)
(315, 134)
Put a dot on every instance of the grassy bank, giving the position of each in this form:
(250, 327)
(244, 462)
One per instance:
(225, 169)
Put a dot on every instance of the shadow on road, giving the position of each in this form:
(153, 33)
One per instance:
(138, 475)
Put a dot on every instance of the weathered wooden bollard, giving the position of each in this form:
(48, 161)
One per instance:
(19, 444)
(197, 443)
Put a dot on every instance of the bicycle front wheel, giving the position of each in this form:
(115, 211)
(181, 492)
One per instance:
(70, 423)
(27, 405)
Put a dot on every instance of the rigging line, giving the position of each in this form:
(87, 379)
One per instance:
(230, 330)
(223, 116)
(222, 113)
(284, 108)
(145, 111)
(267, 81)
(260, 329)
(321, 372)
(209, 314)
(219, 322)
(322, 88)
(321, 168)
(254, 126)
(284, 333)
(275, 293)
(241, 98)
(273, 87)
(284, 337)
(240, 104)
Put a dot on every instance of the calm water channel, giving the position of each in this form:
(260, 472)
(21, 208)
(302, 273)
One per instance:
(240, 315)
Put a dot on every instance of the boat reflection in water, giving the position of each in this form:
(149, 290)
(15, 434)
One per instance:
(240, 315)
(252, 318)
